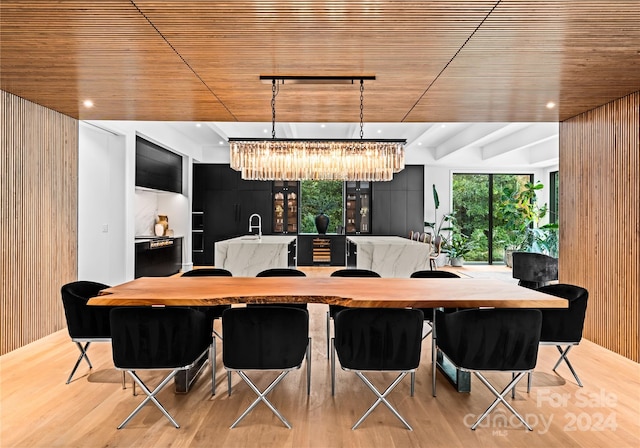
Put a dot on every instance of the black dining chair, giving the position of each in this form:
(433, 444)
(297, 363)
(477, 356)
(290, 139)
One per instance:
(534, 270)
(563, 326)
(86, 324)
(272, 338)
(282, 272)
(436, 250)
(333, 309)
(377, 340)
(498, 339)
(158, 338)
(428, 317)
(207, 272)
(212, 312)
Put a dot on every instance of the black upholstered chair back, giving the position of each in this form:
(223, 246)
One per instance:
(85, 321)
(207, 272)
(354, 273)
(333, 309)
(264, 337)
(490, 339)
(158, 338)
(434, 274)
(378, 338)
(533, 269)
(281, 272)
(564, 325)
(215, 311)
(428, 312)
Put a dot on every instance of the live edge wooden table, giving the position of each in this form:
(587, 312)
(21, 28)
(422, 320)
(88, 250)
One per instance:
(351, 292)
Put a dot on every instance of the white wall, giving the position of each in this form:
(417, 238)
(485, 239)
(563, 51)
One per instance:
(102, 218)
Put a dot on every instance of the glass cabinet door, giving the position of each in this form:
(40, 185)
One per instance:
(278, 212)
(292, 212)
(365, 210)
(358, 207)
(350, 208)
(285, 207)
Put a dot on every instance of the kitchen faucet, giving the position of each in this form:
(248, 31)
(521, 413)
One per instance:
(252, 226)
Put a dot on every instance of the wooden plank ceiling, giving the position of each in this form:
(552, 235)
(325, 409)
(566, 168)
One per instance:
(434, 61)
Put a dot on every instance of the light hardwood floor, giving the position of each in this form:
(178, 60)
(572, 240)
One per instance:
(39, 410)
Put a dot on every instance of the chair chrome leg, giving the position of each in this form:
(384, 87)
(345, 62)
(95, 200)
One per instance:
(434, 355)
(308, 356)
(333, 367)
(262, 396)
(513, 389)
(529, 381)
(151, 396)
(500, 398)
(381, 399)
(83, 354)
(328, 333)
(563, 355)
(212, 361)
(229, 382)
(413, 383)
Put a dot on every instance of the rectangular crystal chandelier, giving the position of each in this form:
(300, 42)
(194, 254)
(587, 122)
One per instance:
(316, 159)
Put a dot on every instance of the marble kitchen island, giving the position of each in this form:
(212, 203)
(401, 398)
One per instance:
(389, 256)
(245, 256)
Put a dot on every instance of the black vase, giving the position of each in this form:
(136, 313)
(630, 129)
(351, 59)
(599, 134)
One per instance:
(322, 223)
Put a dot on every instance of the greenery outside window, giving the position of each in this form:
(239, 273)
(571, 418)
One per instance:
(476, 202)
(320, 196)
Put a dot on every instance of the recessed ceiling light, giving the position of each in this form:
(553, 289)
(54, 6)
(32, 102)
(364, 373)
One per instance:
(322, 125)
(551, 105)
(419, 143)
(265, 131)
(221, 142)
(379, 131)
(198, 125)
(443, 125)
(87, 103)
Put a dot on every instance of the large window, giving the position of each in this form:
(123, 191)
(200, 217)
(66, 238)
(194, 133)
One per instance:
(476, 201)
(318, 196)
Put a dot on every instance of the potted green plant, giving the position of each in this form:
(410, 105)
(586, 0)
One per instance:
(521, 215)
(440, 227)
(457, 247)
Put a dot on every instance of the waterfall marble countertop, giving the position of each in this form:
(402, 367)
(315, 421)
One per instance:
(390, 256)
(245, 256)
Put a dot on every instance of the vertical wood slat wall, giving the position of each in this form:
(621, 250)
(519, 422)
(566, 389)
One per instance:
(600, 219)
(38, 219)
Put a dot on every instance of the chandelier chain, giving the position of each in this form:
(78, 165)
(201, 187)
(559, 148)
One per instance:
(273, 109)
(361, 108)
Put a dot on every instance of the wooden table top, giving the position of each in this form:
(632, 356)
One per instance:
(354, 292)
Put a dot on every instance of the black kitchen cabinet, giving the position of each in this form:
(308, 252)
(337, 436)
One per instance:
(398, 205)
(317, 250)
(226, 202)
(158, 257)
(352, 254)
(157, 167)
